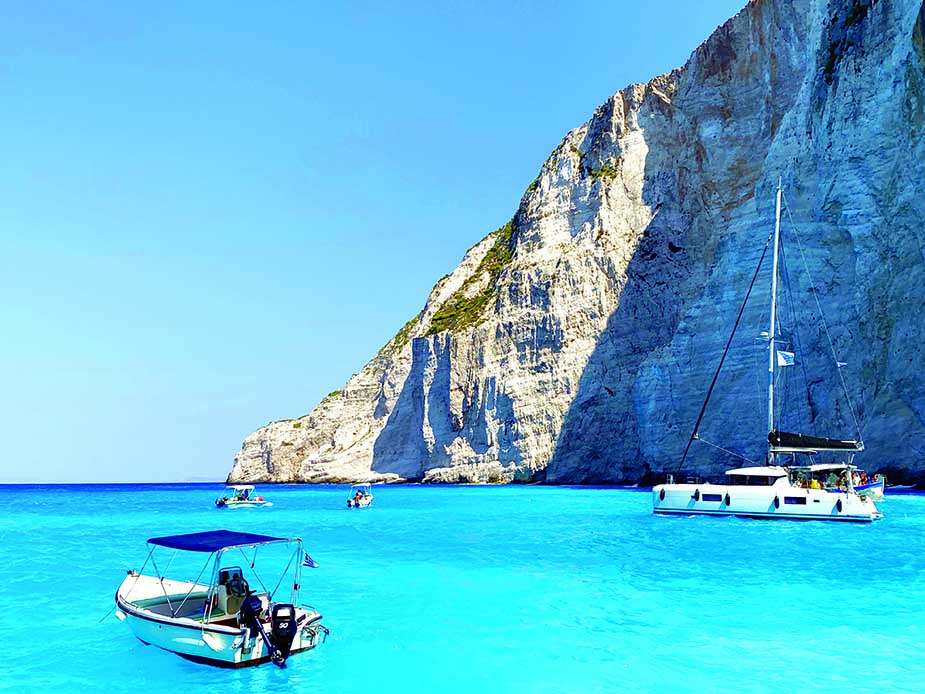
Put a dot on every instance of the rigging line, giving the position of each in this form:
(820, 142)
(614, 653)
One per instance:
(732, 453)
(725, 352)
(825, 325)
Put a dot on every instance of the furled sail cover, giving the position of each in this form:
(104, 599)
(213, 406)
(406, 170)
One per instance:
(784, 439)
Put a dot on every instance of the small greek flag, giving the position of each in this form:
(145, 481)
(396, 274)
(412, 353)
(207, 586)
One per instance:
(308, 561)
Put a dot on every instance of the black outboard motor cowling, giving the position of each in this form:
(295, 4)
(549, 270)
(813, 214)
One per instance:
(250, 618)
(284, 626)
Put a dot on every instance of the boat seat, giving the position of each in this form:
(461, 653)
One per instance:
(229, 604)
(226, 600)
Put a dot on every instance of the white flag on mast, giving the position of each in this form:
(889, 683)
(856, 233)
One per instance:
(785, 358)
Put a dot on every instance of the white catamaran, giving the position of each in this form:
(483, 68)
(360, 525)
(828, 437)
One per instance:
(792, 483)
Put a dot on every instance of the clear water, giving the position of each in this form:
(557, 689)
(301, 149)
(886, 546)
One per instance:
(484, 589)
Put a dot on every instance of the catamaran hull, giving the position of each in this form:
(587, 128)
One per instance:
(769, 502)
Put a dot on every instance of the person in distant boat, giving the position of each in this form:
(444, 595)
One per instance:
(832, 480)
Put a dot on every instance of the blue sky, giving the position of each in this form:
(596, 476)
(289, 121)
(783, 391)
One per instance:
(212, 214)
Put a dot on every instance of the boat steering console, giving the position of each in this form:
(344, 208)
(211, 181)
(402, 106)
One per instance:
(236, 585)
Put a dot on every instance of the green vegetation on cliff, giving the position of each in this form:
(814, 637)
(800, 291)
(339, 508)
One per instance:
(330, 396)
(463, 310)
(401, 337)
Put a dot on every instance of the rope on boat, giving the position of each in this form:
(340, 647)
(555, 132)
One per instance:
(706, 400)
(732, 453)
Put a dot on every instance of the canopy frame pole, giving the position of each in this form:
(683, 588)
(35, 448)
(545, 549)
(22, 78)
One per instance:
(213, 591)
(282, 576)
(173, 613)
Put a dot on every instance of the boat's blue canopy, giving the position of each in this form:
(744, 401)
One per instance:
(213, 540)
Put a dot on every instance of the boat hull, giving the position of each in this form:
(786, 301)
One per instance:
(231, 503)
(777, 502)
(213, 644)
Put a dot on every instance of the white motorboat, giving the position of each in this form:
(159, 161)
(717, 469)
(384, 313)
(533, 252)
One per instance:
(792, 483)
(241, 496)
(360, 496)
(223, 620)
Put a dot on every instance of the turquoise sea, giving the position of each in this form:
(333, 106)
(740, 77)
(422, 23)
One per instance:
(483, 589)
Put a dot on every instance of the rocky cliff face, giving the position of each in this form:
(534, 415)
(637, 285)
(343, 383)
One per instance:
(575, 344)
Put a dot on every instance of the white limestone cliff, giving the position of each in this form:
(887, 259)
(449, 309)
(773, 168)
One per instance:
(575, 344)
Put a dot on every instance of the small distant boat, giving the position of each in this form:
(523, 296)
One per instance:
(241, 496)
(361, 495)
(873, 489)
(223, 621)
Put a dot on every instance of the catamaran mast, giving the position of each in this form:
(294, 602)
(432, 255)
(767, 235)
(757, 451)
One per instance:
(772, 352)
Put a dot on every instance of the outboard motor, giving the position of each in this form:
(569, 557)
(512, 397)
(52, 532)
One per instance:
(284, 626)
(250, 618)
(250, 613)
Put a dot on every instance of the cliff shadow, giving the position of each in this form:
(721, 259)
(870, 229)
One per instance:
(400, 447)
(708, 131)
(599, 440)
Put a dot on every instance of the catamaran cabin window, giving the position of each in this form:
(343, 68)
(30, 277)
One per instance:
(799, 500)
(751, 480)
(712, 497)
